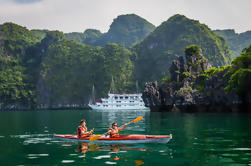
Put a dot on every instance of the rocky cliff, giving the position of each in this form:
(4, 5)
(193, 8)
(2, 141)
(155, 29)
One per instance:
(194, 86)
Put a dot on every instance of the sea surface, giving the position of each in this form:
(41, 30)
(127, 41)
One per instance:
(26, 138)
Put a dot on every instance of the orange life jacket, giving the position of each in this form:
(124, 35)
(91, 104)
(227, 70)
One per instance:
(79, 131)
(114, 133)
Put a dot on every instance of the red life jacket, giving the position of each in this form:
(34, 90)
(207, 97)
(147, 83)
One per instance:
(79, 131)
(114, 133)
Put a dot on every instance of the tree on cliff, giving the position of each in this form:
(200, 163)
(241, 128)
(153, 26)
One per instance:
(193, 50)
(240, 79)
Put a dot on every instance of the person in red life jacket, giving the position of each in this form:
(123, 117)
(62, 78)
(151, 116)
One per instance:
(82, 130)
(113, 131)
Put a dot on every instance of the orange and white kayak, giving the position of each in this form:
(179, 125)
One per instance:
(120, 139)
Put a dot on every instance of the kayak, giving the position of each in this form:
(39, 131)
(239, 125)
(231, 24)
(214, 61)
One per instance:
(120, 139)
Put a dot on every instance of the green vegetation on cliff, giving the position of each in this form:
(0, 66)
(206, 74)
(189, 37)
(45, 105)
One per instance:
(167, 42)
(14, 40)
(16, 86)
(237, 76)
(70, 69)
(240, 79)
(192, 50)
(51, 70)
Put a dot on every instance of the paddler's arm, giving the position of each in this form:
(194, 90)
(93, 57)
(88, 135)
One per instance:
(88, 132)
(108, 132)
(122, 128)
(84, 132)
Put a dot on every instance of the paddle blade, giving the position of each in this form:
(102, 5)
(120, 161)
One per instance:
(95, 137)
(137, 119)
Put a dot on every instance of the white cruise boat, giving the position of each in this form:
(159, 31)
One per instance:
(120, 102)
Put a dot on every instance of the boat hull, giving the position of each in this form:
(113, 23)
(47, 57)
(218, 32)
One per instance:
(95, 107)
(125, 139)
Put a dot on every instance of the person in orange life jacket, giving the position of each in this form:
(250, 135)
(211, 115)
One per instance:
(113, 131)
(82, 130)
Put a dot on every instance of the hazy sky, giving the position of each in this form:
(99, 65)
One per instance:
(78, 15)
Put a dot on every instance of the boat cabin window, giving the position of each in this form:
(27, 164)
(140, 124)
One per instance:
(116, 97)
(121, 97)
(126, 97)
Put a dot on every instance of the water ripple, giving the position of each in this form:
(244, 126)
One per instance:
(242, 149)
(109, 162)
(101, 157)
(67, 161)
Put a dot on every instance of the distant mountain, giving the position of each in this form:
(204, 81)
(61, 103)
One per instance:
(125, 30)
(167, 41)
(39, 34)
(90, 36)
(75, 36)
(236, 41)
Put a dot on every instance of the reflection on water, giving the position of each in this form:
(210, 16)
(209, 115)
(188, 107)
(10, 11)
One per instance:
(84, 147)
(198, 139)
(114, 151)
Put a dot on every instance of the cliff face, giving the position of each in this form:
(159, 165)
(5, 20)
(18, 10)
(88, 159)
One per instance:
(194, 86)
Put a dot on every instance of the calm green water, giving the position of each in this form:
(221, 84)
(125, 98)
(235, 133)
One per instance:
(198, 139)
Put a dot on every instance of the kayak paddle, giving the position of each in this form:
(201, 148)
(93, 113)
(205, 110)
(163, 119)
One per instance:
(96, 137)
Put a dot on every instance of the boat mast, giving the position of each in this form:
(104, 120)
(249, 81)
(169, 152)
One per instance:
(93, 95)
(112, 87)
(137, 87)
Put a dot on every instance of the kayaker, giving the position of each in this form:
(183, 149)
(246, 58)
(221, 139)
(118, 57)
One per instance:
(82, 130)
(113, 131)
